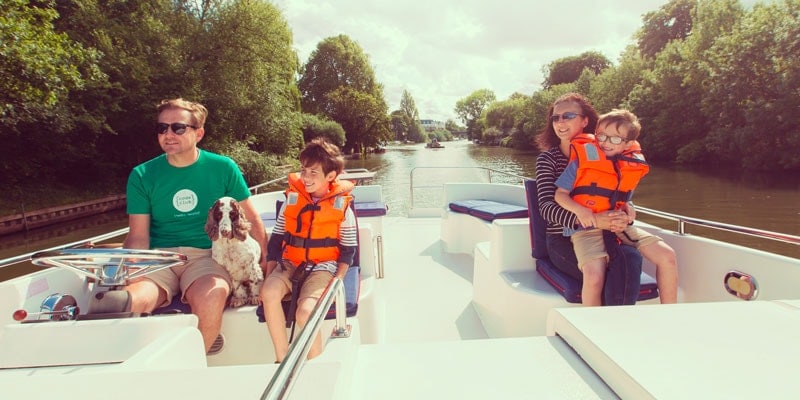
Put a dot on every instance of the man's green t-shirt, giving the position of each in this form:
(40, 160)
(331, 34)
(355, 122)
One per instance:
(178, 199)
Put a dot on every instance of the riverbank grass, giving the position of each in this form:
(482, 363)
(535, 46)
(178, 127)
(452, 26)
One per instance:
(27, 198)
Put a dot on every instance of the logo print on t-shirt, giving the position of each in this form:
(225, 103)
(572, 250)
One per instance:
(184, 200)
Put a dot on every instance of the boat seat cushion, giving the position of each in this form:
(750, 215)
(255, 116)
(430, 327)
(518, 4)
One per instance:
(370, 209)
(568, 286)
(489, 210)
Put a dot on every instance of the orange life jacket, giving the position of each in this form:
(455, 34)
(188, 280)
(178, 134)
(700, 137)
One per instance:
(604, 184)
(312, 230)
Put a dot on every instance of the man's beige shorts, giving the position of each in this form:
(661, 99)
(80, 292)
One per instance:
(180, 277)
(314, 285)
(589, 244)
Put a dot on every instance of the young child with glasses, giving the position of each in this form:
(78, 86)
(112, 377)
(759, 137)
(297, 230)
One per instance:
(603, 171)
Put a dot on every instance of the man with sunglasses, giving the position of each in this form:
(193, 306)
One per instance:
(604, 170)
(168, 201)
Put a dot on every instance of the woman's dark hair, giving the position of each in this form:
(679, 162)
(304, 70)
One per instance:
(547, 138)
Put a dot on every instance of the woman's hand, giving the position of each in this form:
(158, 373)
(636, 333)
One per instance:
(614, 221)
(630, 210)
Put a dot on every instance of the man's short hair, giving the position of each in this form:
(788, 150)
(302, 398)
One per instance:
(197, 110)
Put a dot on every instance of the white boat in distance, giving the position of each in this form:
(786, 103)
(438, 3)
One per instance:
(450, 305)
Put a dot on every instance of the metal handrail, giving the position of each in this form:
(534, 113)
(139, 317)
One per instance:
(99, 238)
(282, 381)
(489, 175)
(683, 220)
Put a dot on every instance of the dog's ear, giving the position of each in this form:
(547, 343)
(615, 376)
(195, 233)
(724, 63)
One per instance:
(212, 224)
(241, 226)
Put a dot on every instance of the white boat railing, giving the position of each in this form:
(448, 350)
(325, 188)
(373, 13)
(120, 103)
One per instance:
(282, 381)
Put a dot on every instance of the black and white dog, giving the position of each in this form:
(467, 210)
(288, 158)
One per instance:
(234, 248)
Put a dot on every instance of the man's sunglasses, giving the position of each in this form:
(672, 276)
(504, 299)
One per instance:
(567, 116)
(177, 127)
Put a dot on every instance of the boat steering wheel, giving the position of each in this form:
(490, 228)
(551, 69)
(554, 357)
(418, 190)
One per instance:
(109, 267)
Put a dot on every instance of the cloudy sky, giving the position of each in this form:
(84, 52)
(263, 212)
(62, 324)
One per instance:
(443, 50)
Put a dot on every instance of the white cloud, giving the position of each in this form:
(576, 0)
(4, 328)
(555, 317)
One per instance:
(442, 51)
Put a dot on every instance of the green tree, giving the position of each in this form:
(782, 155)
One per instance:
(669, 99)
(673, 21)
(249, 67)
(362, 116)
(752, 97)
(408, 106)
(338, 75)
(39, 67)
(144, 58)
(319, 126)
(610, 89)
(470, 109)
(569, 69)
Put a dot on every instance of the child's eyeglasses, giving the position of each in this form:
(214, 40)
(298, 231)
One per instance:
(177, 127)
(567, 116)
(601, 137)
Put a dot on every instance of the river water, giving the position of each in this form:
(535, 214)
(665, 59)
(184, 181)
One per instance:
(768, 202)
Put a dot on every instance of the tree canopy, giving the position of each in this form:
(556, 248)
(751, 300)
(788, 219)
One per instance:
(337, 81)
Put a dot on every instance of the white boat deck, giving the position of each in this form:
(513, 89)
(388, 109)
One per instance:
(428, 292)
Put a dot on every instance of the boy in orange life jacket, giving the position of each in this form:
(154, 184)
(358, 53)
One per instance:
(315, 231)
(601, 176)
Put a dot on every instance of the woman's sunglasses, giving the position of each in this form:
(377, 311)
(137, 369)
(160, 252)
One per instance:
(567, 116)
(177, 127)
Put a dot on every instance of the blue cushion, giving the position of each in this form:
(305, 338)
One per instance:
(489, 210)
(463, 206)
(570, 287)
(370, 209)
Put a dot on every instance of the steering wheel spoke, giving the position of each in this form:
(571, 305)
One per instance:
(109, 266)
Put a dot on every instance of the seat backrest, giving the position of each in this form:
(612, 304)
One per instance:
(537, 226)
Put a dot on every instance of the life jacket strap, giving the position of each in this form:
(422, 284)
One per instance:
(306, 243)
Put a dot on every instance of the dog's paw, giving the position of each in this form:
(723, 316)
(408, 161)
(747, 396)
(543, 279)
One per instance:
(237, 302)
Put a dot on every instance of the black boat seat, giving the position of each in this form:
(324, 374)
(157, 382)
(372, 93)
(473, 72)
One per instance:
(566, 285)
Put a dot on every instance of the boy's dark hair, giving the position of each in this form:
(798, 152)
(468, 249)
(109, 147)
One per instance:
(321, 151)
(621, 118)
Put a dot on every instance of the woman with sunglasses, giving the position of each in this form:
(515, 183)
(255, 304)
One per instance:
(569, 116)
(168, 201)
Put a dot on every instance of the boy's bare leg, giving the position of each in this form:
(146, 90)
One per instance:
(272, 293)
(304, 309)
(594, 275)
(663, 256)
